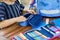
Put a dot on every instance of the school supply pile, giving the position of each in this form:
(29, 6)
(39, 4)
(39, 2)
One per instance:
(48, 32)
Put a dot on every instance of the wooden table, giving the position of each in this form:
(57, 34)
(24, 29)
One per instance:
(3, 38)
(9, 32)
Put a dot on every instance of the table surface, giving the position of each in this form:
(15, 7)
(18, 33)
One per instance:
(9, 32)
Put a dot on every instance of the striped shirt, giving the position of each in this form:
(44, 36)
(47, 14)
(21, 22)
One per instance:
(10, 11)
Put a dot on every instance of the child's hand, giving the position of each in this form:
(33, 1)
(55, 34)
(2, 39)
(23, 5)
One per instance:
(20, 19)
(32, 12)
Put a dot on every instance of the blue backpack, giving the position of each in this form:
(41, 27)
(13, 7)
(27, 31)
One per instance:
(48, 5)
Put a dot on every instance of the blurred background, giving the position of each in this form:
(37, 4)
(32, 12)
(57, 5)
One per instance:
(26, 3)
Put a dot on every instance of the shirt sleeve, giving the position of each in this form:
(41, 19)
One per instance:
(22, 7)
(2, 12)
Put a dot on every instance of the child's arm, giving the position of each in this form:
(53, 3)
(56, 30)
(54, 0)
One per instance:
(8, 22)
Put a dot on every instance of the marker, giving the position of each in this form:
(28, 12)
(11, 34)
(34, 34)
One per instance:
(29, 37)
(55, 29)
(16, 38)
(48, 30)
(38, 38)
(22, 36)
(40, 34)
(32, 34)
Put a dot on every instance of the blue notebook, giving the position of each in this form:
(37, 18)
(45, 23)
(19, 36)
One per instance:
(36, 21)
